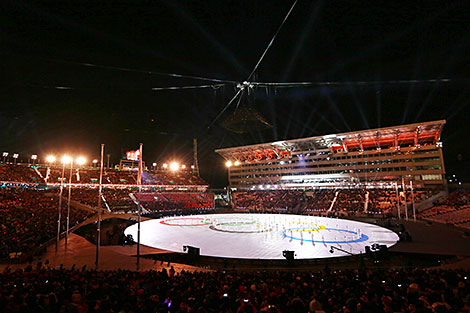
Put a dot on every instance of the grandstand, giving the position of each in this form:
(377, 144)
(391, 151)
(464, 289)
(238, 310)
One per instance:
(376, 156)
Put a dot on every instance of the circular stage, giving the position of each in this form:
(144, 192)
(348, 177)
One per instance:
(262, 236)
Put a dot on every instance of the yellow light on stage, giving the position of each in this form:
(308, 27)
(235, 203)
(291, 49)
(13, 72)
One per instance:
(228, 164)
(50, 158)
(174, 166)
(236, 163)
(66, 159)
(165, 165)
(80, 160)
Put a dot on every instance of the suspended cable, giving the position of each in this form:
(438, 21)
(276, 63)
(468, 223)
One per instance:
(189, 87)
(149, 72)
(214, 86)
(340, 83)
(245, 85)
(271, 42)
(225, 108)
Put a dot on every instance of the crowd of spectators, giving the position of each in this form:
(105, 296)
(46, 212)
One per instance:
(350, 200)
(87, 291)
(28, 218)
(18, 173)
(120, 199)
(382, 200)
(343, 201)
(114, 199)
(452, 210)
(87, 175)
(270, 201)
(176, 201)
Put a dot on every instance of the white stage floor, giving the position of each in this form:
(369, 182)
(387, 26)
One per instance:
(262, 236)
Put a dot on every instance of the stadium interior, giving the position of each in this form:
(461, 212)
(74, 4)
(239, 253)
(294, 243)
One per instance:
(49, 214)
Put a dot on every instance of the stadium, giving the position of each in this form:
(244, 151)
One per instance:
(378, 198)
(156, 159)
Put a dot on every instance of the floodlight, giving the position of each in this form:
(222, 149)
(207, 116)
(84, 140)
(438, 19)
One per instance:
(15, 155)
(192, 166)
(236, 163)
(174, 166)
(34, 157)
(80, 160)
(154, 164)
(165, 165)
(5, 154)
(50, 158)
(183, 166)
(228, 164)
(66, 159)
(95, 161)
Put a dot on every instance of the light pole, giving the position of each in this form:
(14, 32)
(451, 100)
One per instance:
(98, 226)
(5, 155)
(80, 161)
(50, 159)
(65, 159)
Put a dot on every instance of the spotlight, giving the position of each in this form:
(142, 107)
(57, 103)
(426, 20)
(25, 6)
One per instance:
(228, 164)
(50, 158)
(236, 163)
(66, 159)
(80, 160)
(174, 166)
(165, 165)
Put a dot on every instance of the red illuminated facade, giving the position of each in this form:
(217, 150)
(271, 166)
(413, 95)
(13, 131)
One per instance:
(412, 152)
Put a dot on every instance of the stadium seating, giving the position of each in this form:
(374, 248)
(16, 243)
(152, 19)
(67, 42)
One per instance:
(29, 218)
(70, 290)
(19, 174)
(453, 210)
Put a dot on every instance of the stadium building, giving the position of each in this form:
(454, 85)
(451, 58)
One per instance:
(375, 157)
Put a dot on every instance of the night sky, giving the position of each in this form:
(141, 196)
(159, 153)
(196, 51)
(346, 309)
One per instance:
(52, 102)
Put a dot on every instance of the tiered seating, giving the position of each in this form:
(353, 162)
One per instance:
(73, 290)
(18, 173)
(454, 210)
(170, 201)
(382, 200)
(350, 200)
(29, 218)
(284, 200)
(82, 175)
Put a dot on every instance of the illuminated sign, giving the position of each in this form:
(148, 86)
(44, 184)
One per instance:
(133, 155)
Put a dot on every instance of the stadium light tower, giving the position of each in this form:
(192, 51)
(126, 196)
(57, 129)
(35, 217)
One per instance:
(15, 156)
(34, 157)
(5, 155)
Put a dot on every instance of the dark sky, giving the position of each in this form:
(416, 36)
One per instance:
(45, 44)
